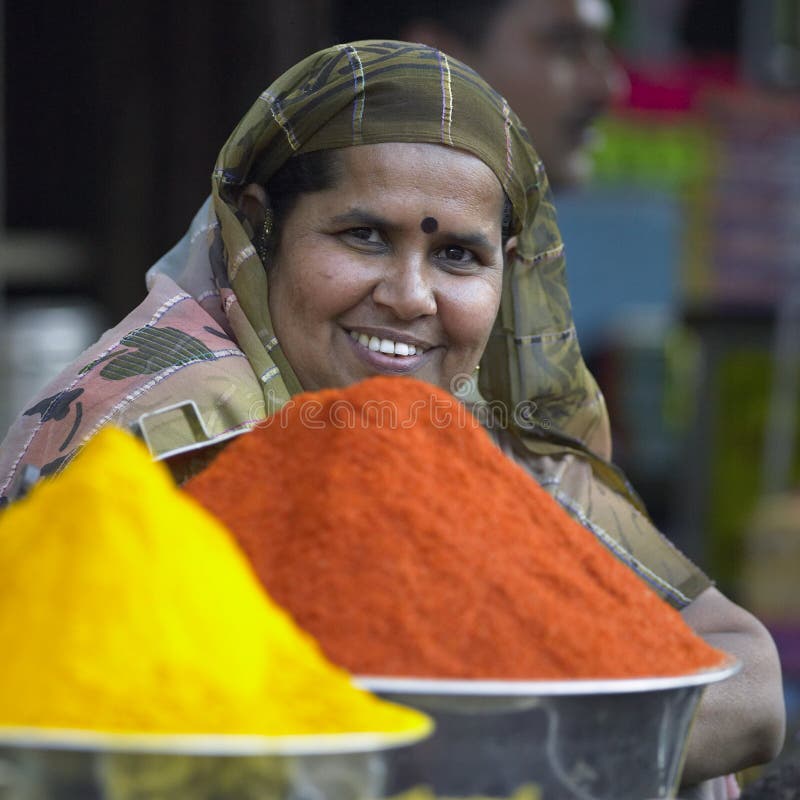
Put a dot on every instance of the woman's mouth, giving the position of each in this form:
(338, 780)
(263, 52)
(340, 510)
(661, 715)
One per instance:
(388, 355)
(389, 347)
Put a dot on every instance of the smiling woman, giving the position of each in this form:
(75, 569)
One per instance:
(313, 265)
(357, 288)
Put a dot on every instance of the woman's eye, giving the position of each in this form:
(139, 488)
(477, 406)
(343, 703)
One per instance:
(457, 255)
(365, 234)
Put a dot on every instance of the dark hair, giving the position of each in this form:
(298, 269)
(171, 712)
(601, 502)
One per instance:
(301, 174)
(358, 19)
(315, 172)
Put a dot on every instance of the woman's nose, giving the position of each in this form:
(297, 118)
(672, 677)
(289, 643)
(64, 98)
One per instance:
(406, 288)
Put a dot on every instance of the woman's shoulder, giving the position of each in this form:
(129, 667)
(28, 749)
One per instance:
(168, 353)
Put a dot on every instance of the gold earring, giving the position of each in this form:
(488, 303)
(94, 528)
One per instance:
(262, 245)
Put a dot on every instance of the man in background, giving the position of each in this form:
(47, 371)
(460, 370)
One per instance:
(549, 58)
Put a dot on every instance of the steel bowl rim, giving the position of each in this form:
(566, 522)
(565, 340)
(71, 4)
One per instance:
(521, 688)
(207, 744)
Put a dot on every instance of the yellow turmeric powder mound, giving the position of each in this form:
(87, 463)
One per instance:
(125, 607)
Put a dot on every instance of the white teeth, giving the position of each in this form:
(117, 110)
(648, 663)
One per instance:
(386, 346)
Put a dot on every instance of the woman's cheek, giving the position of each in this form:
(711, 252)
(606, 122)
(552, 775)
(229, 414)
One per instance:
(470, 311)
(341, 279)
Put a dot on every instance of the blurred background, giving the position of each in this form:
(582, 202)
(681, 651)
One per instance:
(683, 249)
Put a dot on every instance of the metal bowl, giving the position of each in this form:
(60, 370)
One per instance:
(75, 765)
(549, 740)
(538, 740)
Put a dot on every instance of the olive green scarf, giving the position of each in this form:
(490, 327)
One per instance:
(375, 91)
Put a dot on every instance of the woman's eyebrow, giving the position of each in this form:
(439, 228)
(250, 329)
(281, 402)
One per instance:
(362, 217)
(466, 239)
(359, 217)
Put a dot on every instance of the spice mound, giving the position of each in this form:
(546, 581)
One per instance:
(128, 608)
(390, 526)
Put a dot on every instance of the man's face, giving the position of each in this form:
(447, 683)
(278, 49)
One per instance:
(550, 60)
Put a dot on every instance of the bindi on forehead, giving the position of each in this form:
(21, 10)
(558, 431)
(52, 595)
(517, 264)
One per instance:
(429, 225)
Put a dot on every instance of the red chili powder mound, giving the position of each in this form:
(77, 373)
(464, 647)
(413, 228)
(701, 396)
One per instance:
(394, 531)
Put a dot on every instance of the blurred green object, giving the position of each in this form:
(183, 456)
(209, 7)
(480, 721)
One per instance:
(527, 792)
(127, 776)
(657, 150)
(741, 383)
(31, 774)
(772, 564)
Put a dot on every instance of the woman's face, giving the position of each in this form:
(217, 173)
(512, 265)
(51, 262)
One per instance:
(396, 270)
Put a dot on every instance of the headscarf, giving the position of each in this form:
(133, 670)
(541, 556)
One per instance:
(365, 93)
(376, 91)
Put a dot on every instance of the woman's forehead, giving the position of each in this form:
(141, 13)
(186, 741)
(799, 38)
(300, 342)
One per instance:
(412, 172)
